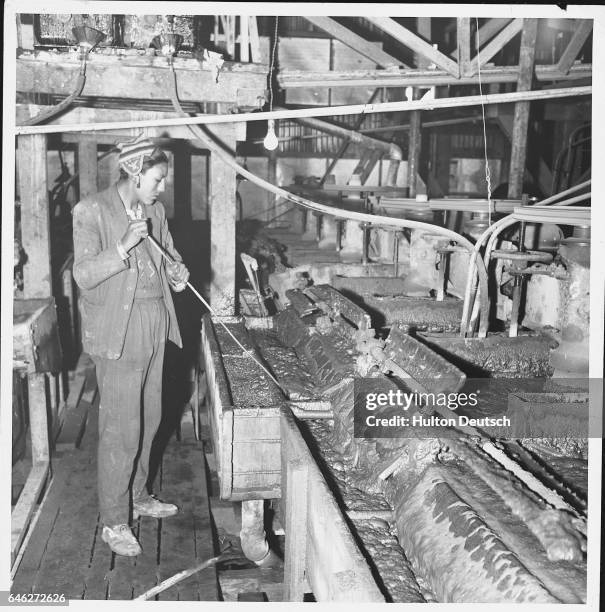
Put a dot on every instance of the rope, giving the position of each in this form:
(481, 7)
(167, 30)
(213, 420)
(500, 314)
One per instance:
(272, 65)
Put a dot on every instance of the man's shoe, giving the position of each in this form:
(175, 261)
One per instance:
(121, 540)
(152, 506)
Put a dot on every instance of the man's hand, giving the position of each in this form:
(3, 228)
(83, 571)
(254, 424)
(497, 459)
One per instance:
(137, 230)
(178, 275)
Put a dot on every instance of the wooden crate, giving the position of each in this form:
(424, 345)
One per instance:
(36, 345)
(246, 438)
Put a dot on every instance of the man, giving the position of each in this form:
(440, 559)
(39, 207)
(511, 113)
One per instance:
(127, 314)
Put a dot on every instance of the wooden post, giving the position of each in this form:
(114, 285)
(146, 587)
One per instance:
(35, 217)
(182, 182)
(244, 39)
(272, 178)
(463, 33)
(295, 560)
(222, 208)
(38, 417)
(87, 167)
(521, 119)
(415, 134)
(25, 32)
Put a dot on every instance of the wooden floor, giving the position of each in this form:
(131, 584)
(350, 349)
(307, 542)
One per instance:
(65, 553)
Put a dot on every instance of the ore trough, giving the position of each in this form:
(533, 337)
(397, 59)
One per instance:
(443, 516)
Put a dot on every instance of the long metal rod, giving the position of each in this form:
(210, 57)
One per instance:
(197, 294)
(325, 111)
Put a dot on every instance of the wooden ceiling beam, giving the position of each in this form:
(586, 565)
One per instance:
(57, 73)
(496, 45)
(291, 79)
(370, 50)
(463, 33)
(486, 32)
(416, 44)
(575, 45)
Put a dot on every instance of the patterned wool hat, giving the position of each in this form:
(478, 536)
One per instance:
(132, 153)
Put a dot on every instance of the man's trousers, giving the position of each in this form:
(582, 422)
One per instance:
(130, 410)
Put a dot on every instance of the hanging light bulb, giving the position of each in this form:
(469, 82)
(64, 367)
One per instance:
(270, 142)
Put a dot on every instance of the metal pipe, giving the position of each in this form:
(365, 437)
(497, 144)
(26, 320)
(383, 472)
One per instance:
(556, 196)
(324, 111)
(252, 535)
(337, 212)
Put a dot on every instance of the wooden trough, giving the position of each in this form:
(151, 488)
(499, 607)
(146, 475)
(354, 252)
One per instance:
(245, 435)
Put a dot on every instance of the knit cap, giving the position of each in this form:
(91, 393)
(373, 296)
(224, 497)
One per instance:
(132, 153)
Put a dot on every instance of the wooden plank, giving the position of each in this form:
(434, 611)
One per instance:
(222, 209)
(256, 427)
(300, 79)
(414, 42)
(38, 418)
(96, 574)
(87, 167)
(24, 509)
(202, 526)
(495, 45)
(256, 455)
(244, 40)
(254, 40)
(25, 32)
(488, 30)
(464, 44)
(337, 572)
(63, 567)
(580, 35)
(147, 531)
(521, 118)
(177, 550)
(354, 41)
(296, 503)
(226, 450)
(35, 216)
(46, 72)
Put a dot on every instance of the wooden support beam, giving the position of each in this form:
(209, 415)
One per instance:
(575, 45)
(87, 167)
(464, 44)
(521, 118)
(423, 26)
(495, 45)
(244, 39)
(222, 209)
(25, 32)
(272, 178)
(54, 73)
(354, 41)
(415, 140)
(485, 33)
(290, 79)
(489, 29)
(35, 216)
(325, 111)
(414, 42)
(254, 40)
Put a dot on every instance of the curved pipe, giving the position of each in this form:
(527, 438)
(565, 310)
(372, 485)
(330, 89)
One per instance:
(55, 110)
(389, 148)
(336, 212)
(493, 232)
